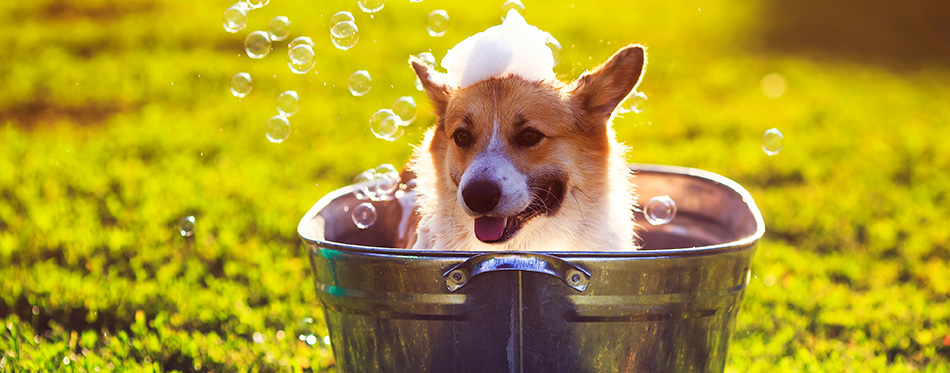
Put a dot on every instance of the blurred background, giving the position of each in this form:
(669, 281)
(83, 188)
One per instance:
(117, 122)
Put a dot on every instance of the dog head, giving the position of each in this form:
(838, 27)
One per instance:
(508, 152)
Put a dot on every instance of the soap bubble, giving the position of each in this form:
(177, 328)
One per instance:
(387, 181)
(660, 210)
(400, 130)
(635, 103)
(277, 129)
(772, 141)
(364, 215)
(371, 6)
(257, 44)
(344, 35)
(255, 4)
(301, 58)
(278, 28)
(360, 83)
(300, 40)
(385, 125)
(186, 226)
(341, 17)
(405, 108)
(235, 17)
(437, 23)
(555, 47)
(241, 85)
(512, 4)
(288, 103)
(366, 186)
(427, 58)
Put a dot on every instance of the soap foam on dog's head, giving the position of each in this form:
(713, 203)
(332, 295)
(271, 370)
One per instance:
(514, 47)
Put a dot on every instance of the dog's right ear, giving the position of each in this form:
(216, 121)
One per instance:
(436, 88)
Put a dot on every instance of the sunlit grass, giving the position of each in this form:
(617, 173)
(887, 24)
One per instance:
(116, 122)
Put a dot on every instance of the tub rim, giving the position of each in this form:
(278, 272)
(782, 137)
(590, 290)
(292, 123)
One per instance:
(737, 245)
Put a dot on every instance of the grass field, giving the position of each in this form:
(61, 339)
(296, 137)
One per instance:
(116, 122)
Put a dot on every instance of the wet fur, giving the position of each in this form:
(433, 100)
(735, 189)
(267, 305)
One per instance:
(579, 147)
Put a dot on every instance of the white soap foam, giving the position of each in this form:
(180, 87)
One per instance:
(514, 47)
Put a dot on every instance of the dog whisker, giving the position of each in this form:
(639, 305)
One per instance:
(580, 207)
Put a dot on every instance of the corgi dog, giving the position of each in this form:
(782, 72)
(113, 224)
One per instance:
(527, 165)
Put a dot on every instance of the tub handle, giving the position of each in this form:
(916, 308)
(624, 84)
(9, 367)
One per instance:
(572, 275)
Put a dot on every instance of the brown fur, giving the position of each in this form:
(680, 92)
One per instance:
(578, 146)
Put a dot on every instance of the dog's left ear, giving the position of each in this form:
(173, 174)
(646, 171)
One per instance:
(600, 91)
(432, 81)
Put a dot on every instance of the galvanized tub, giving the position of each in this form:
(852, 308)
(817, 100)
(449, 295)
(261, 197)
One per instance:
(668, 308)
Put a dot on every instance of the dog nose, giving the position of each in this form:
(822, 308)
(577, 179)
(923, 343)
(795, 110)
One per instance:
(481, 196)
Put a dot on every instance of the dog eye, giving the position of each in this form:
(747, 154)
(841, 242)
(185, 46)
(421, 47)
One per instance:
(529, 137)
(462, 138)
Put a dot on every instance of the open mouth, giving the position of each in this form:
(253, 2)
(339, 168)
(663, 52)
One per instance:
(498, 229)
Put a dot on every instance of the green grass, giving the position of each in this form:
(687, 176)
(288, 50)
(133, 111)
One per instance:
(116, 122)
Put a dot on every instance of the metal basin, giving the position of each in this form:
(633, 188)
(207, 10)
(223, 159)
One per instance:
(668, 308)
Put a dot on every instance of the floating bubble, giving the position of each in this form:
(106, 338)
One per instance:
(288, 103)
(258, 337)
(257, 44)
(366, 186)
(635, 103)
(344, 35)
(255, 4)
(360, 83)
(364, 215)
(341, 17)
(660, 210)
(278, 28)
(371, 6)
(241, 85)
(387, 181)
(277, 129)
(326, 338)
(186, 226)
(400, 130)
(300, 40)
(512, 4)
(405, 108)
(555, 47)
(235, 17)
(301, 58)
(426, 58)
(385, 125)
(437, 23)
(772, 141)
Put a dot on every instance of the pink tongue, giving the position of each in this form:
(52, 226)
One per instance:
(489, 229)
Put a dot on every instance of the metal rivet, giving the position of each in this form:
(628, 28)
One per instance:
(457, 276)
(575, 278)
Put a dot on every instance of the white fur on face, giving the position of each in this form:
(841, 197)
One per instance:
(492, 164)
